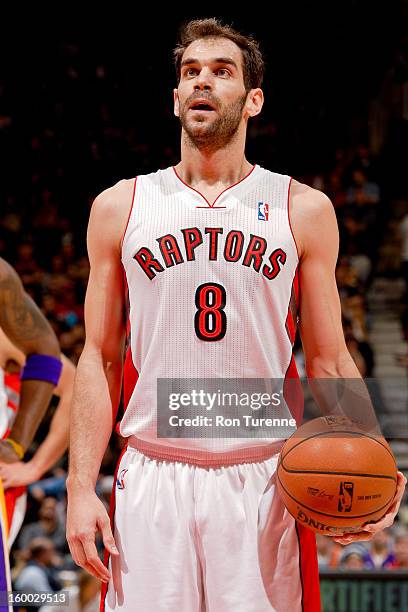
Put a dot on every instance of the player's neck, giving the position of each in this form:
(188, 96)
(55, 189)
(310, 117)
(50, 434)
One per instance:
(221, 167)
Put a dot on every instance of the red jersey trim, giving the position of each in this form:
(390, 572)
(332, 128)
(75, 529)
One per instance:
(290, 224)
(129, 215)
(308, 568)
(130, 374)
(291, 323)
(292, 387)
(220, 194)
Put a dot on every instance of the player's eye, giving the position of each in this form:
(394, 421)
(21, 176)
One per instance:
(223, 72)
(191, 72)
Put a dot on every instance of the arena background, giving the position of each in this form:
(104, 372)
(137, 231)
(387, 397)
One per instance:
(83, 106)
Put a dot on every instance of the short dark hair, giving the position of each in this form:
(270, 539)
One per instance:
(38, 545)
(252, 60)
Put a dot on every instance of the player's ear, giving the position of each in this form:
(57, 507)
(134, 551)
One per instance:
(176, 103)
(254, 102)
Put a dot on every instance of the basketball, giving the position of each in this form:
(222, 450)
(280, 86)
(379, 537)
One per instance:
(334, 478)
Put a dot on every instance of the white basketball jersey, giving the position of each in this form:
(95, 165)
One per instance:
(212, 292)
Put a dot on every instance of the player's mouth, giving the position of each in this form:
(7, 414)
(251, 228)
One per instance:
(202, 106)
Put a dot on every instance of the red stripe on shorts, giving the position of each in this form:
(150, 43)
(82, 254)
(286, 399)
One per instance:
(309, 572)
(10, 498)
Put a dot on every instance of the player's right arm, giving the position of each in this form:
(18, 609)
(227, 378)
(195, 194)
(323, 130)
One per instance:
(98, 378)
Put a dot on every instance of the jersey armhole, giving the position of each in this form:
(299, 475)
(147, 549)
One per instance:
(129, 215)
(290, 224)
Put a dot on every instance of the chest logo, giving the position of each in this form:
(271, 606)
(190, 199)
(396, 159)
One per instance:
(263, 211)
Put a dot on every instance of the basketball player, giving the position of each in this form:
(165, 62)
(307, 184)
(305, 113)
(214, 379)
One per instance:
(26, 327)
(16, 476)
(212, 251)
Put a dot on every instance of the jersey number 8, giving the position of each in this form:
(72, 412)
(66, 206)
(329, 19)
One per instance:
(210, 320)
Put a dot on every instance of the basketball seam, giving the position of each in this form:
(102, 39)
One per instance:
(350, 516)
(350, 433)
(289, 471)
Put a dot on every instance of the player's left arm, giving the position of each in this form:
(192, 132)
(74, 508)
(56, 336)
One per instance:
(56, 442)
(315, 230)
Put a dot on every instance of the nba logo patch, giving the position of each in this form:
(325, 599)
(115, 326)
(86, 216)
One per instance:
(263, 211)
(120, 480)
(345, 496)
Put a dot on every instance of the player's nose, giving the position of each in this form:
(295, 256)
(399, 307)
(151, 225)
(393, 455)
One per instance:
(203, 80)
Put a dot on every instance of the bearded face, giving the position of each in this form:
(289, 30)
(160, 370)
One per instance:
(211, 99)
(209, 123)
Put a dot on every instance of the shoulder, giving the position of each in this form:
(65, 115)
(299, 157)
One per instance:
(306, 200)
(110, 211)
(312, 215)
(115, 199)
(10, 282)
(7, 271)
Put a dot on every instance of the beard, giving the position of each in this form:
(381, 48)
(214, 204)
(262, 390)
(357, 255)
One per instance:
(215, 134)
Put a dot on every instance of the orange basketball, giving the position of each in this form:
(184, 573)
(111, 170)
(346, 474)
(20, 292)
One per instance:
(333, 478)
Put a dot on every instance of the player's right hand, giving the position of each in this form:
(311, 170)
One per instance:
(86, 515)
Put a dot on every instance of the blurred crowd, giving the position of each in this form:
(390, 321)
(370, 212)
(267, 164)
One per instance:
(78, 144)
(352, 184)
(387, 550)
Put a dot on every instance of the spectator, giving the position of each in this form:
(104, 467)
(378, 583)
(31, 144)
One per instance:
(48, 526)
(69, 312)
(381, 549)
(403, 230)
(89, 593)
(363, 159)
(400, 550)
(363, 347)
(355, 557)
(362, 192)
(353, 349)
(84, 598)
(104, 489)
(360, 263)
(353, 561)
(53, 486)
(29, 270)
(361, 214)
(39, 572)
(328, 552)
(351, 296)
(335, 190)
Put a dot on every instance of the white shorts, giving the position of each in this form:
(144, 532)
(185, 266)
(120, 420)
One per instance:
(194, 539)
